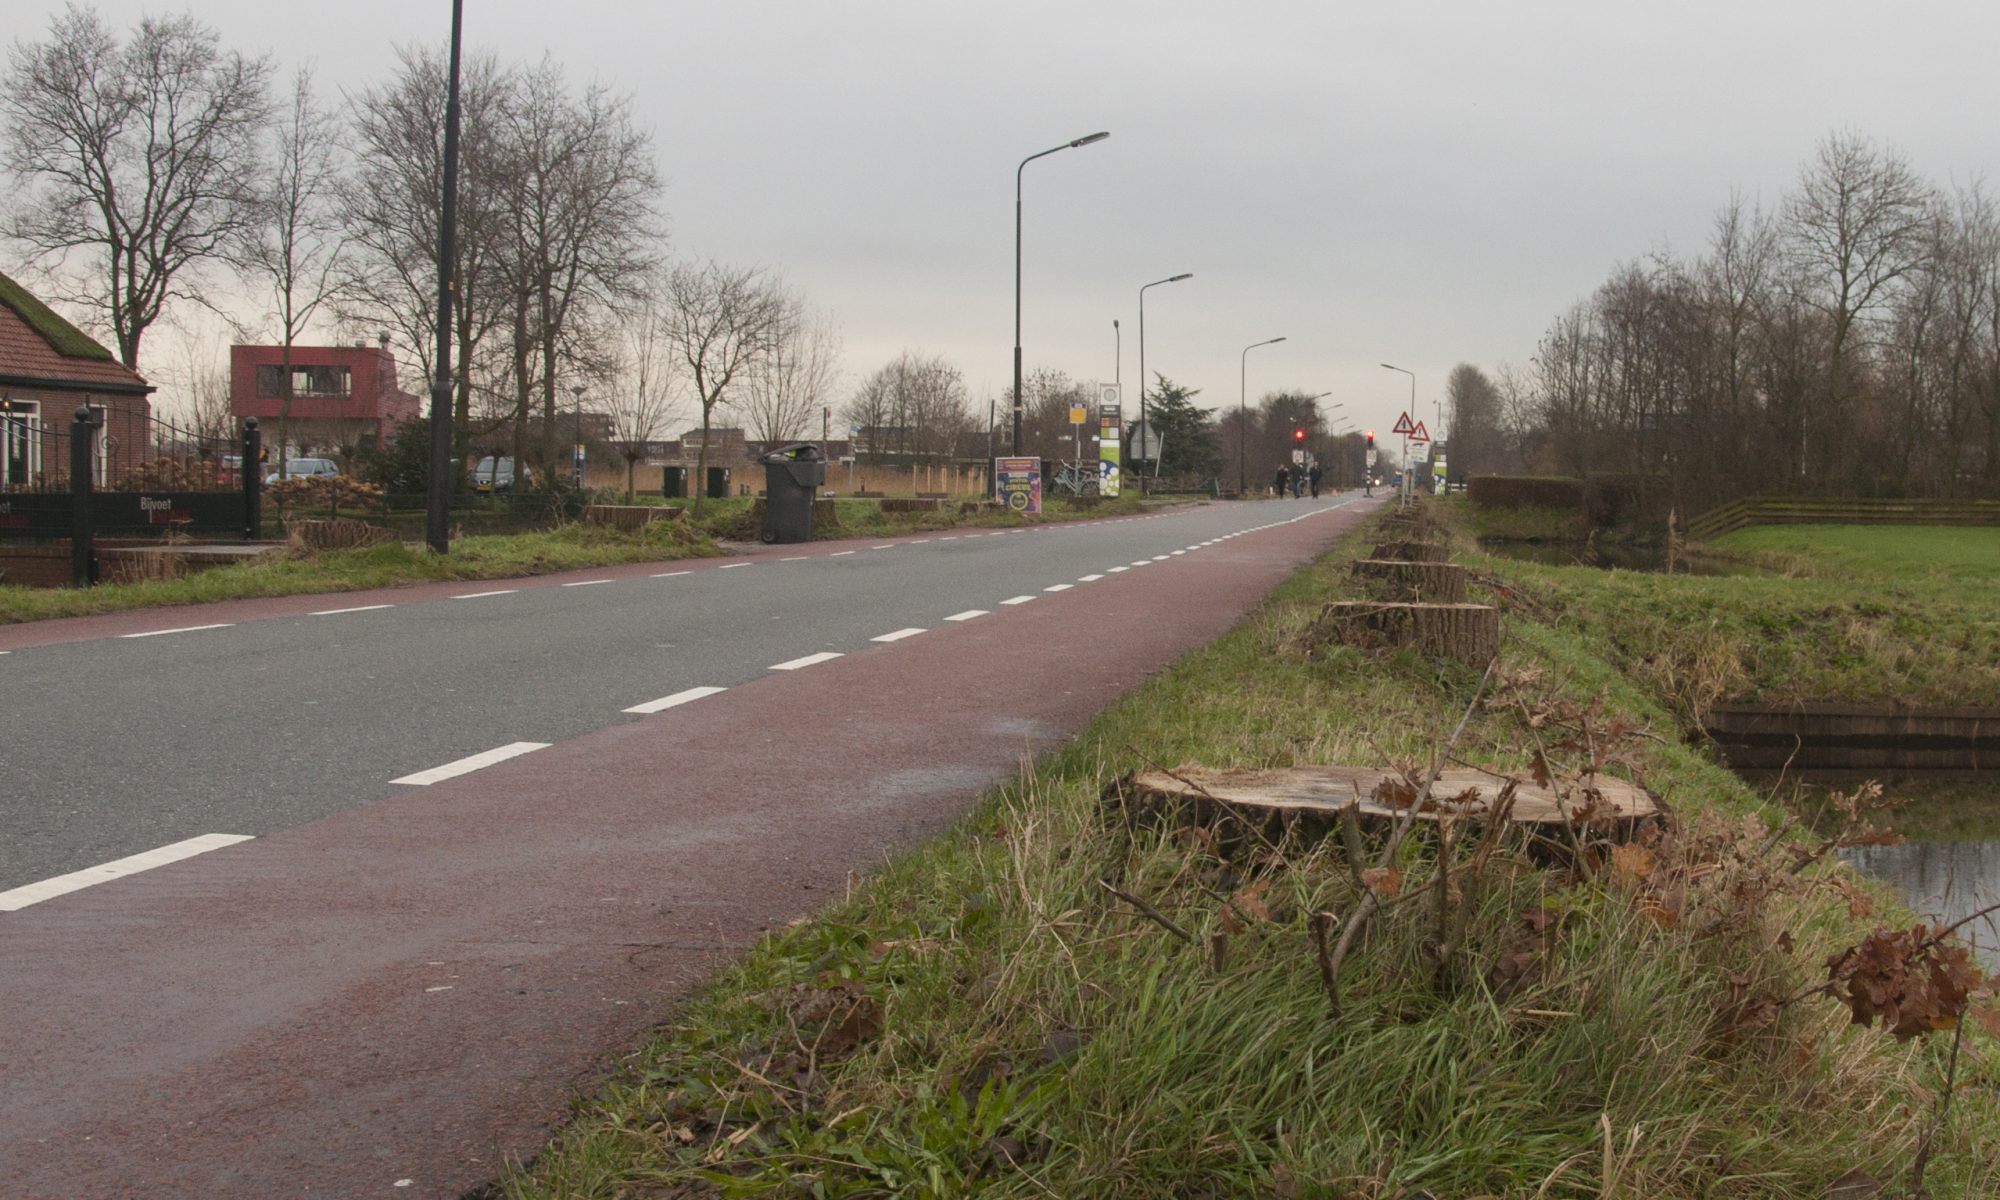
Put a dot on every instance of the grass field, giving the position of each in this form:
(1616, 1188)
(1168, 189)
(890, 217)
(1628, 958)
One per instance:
(985, 1017)
(1966, 553)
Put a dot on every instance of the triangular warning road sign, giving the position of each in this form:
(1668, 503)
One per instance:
(1403, 424)
(1420, 434)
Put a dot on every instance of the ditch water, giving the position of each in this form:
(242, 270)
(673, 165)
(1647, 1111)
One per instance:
(1949, 868)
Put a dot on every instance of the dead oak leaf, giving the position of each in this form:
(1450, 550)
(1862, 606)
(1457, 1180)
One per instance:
(1385, 882)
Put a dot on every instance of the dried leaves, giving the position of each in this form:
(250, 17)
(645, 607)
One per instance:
(1915, 981)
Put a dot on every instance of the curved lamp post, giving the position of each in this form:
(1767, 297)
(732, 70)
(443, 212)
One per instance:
(1085, 140)
(1243, 416)
(1143, 423)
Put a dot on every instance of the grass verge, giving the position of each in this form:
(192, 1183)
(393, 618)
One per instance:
(984, 1018)
(492, 556)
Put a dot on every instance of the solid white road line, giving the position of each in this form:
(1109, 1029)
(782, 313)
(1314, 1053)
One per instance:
(731, 566)
(678, 698)
(1018, 600)
(334, 612)
(482, 595)
(671, 574)
(586, 582)
(808, 661)
(1059, 587)
(897, 636)
(471, 763)
(21, 897)
(1088, 578)
(182, 629)
(968, 614)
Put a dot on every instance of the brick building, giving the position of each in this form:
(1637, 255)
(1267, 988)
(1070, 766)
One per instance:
(344, 398)
(48, 369)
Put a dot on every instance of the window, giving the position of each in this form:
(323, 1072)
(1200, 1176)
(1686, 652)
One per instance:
(317, 382)
(20, 441)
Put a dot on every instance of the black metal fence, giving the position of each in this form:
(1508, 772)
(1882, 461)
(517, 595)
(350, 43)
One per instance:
(138, 476)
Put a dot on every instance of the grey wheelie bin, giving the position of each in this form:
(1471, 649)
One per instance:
(792, 477)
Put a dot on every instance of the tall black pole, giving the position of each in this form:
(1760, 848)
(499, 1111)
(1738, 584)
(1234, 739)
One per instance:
(437, 509)
(1070, 145)
(1145, 426)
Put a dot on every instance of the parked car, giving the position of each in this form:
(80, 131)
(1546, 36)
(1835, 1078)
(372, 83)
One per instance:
(492, 474)
(304, 468)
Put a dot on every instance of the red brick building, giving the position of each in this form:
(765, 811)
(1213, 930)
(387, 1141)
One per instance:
(344, 398)
(48, 369)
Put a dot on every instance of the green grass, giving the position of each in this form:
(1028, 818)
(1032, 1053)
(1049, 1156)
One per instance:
(1866, 615)
(1966, 554)
(981, 1018)
(571, 547)
(730, 518)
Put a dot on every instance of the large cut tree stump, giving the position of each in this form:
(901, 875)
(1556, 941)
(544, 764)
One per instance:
(1438, 582)
(1412, 550)
(1309, 802)
(1469, 633)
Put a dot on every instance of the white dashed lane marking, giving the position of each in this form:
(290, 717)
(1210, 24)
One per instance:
(1088, 578)
(678, 698)
(334, 612)
(586, 582)
(731, 566)
(471, 763)
(15, 899)
(671, 574)
(182, 629)
(483, 595)
(1018, 600)
(809, 660)
(1059, 587)
(967, 615)
(897, 636)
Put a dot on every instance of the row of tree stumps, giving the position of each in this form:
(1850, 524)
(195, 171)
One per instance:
(1418, 599)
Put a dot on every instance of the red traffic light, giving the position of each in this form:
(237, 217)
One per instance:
(1298, 435)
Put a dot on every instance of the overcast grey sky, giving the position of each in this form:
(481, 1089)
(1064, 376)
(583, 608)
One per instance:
(1423, 183)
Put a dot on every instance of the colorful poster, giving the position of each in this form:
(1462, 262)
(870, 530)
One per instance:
(1110, 437)
(1019, 483)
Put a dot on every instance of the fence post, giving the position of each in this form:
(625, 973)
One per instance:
(82, 481)
(253, 480)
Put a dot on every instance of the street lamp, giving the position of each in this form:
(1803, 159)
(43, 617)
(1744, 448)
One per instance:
(1086, 140)
(437, 500)
(576, 455)
(1144, 425)
(1406, 437)
(1243, 416)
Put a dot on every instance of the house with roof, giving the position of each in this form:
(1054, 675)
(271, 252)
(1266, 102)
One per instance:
(48, 369)
(341, 398)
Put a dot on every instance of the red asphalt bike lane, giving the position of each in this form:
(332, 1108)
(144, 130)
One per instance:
(396, 1000)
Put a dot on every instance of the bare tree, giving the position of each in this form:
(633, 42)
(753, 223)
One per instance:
(795, 383)
(389, 208)
(293, 251)
(140, 158)
(195, 385)
(1855, 228)
(580, 189)
(722, 323)
(645, 400)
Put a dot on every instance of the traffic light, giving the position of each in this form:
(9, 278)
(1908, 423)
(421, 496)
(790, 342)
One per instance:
(1371, 439)
(1298, 434)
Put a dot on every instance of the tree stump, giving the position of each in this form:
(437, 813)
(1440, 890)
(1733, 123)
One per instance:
(1469, 633)
(1437, 582)
(1309, 803)
(1413, 550)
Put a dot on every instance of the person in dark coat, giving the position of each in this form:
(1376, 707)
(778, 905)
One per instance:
(1284, 477)
(1313, 478)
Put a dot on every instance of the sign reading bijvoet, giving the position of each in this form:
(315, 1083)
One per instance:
(1019, 484)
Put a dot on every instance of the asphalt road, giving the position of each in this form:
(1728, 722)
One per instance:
(389, 989)
(118, 744)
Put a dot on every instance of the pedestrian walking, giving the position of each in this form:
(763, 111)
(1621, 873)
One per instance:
(1313, 477)
(1298, 481)
(1278, 484)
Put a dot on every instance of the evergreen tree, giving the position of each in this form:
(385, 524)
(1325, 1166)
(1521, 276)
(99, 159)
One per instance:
(1189, 432)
